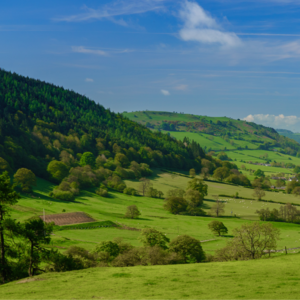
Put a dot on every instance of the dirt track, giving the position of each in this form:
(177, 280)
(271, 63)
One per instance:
(68, 218)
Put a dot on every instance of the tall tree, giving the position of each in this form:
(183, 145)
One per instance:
(38, 234)
(218, 208)
(8, 197)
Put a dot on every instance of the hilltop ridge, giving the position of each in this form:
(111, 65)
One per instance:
(216, 133)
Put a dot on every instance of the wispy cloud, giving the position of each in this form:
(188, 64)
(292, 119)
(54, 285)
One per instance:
(280, 122)
(165, 92)
(81, 49)
(115, 9)
(201, 27)
(181, 87)
(89, 80)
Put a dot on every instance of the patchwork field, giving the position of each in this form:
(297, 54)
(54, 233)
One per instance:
(152, 214)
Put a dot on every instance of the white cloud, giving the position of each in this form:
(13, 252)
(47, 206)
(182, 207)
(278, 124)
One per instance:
(278, 122)
(201, 27)
(115, 9)
(89, 80)
(181, 87)
(165, 92)
(81, 49)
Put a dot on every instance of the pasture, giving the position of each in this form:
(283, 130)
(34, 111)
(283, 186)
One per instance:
(273, 278)
(152, 214)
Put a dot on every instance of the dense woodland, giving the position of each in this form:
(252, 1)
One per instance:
(39, 120)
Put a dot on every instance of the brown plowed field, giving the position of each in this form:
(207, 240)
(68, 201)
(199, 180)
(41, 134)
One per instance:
(68, 218)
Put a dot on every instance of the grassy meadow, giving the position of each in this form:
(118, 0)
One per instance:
(274, 278)
(152, 213)
(268, 278)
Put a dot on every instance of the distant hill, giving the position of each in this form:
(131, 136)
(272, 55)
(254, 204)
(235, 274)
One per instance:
(289, 134)
(216, 133)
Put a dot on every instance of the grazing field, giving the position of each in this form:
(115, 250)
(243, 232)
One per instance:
(274, 278)
(152, 214)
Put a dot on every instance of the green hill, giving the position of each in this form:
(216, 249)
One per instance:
(39, 120)
(289, 134)
(216, 133)
(275, 278)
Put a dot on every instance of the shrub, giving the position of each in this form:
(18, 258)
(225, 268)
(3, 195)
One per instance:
(62, 195)
(130, 191)
(132, 212)
(102, 192)
(151, 237)
(189, 248)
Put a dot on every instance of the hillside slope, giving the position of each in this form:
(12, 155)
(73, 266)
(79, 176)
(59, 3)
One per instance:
(216, 133)
(275, 278)
(289, 134)
(38, 120)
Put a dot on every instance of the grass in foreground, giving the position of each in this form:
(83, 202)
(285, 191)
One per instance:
(274, 278)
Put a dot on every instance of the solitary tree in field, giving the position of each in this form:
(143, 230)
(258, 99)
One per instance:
(218, 227)
(37, 234)
(218, 208)
(132, 212)
(254, 238)
(8, 197)
(25, 179)
(144, 185)
(259, 193)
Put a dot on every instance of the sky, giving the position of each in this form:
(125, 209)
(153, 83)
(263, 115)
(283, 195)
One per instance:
(234, 58)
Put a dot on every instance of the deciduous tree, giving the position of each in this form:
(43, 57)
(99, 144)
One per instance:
(188, 247)
(218, 208)
(218, 227)
(8, 197)
(25, 179)
(132, 212)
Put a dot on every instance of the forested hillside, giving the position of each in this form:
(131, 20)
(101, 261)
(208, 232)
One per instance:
(40, 121)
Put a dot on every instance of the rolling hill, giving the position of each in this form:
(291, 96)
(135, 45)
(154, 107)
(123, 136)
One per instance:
(216, 133)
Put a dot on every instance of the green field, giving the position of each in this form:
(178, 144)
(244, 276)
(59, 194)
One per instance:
(234, 279)
(274, 278)
(152, 213)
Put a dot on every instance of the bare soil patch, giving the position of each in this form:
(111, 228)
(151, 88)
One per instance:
(68, 218)
(30, 280)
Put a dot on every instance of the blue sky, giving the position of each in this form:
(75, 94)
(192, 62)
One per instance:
(232, 58)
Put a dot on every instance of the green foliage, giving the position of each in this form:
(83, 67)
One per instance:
(111, 248)
(259, 173)
(250, 241)
(4, 165)
(221, 173)
(25, 179)
(151, 237)
(57, 170)
(187, 247)
(37, 233)
(176, 205)
(218, 227)
(223, 156)
(102, 192)
(130, 191)
(87, 158)
(197, 184)
(132, 212)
